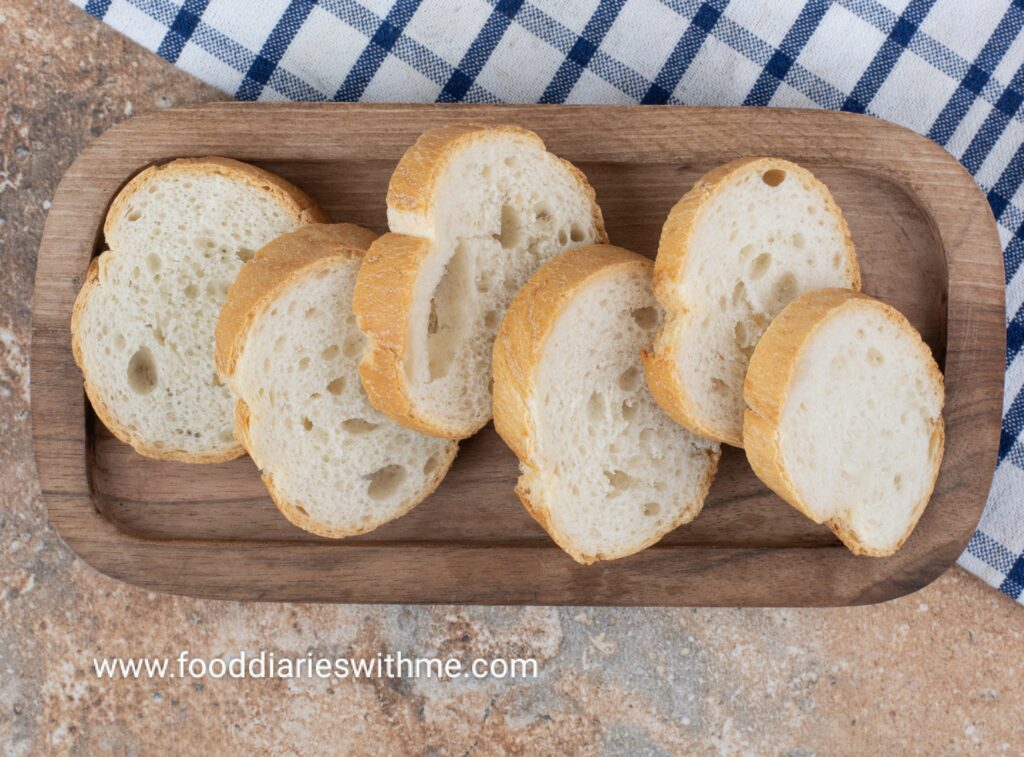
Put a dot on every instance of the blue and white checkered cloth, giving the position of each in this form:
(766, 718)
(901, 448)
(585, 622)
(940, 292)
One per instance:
(950, 69)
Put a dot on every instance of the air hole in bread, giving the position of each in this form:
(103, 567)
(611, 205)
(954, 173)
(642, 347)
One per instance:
(120, 343)
(448, 312)
(432, 464)
(784, 290)
(563, 237)
(245, 254)
(310, 313)
(541, 213)
(358, 426)
(307, 424)
(628, 410)
(620, 481)
(629, 379)
(133, 215)
(301, 510)
(191, 291)
(875, 357)
(352, 345)
(746, 251)
(799, 240)
(511, 229)
(651, 509)
(646, 318)
(142, 371)
(304, 364)
(759, 266)
(330, 352)
(595, 406)
(491, 319)
(385, 481)
(739, 294)
(576, 232)
(719, 387)
(510, 161)
(153, 262)
(337, 386)
(773, 177)
(743, 339)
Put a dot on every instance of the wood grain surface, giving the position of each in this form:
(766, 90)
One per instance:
(927, 244)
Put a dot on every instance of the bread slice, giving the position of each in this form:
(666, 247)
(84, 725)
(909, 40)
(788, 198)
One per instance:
(603, 470)
(751, 236)
(473, 211)
(288, 347)
(844, 417)
(142, 327)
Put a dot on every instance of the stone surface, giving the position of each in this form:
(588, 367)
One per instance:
(937, 672)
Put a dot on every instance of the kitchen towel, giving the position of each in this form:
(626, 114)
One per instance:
(950, 69)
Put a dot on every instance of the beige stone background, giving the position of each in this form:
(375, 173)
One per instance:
(935, 673)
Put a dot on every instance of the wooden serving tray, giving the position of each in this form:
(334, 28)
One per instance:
(927, 244)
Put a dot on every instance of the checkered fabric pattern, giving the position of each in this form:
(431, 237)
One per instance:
(950, 69)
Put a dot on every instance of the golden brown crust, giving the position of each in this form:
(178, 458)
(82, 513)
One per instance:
(518, 351)
(306, 211)
(385, 289)
(384, 293)
(660, 365)
(767, 385)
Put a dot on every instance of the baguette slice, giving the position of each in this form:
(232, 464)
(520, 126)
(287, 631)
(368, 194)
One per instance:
(288, 347)
(844, 417)
(603, 470)
(751, 236)
(142, 326)
(474, 211)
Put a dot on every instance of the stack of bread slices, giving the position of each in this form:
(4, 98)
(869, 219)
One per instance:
(229, 316)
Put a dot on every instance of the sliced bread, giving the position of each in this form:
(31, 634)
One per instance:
(603, 469)
(844, 417)
(473, 212)
(751, 236)
(288, 347)
(142, 327)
